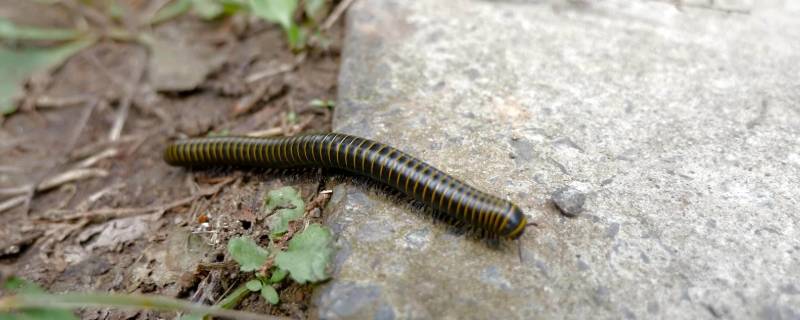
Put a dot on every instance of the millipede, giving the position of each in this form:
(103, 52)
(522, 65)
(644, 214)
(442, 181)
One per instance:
(409, 175)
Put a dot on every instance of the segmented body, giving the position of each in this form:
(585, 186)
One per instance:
(361, 156)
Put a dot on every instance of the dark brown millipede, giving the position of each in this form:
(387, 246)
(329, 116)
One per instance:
(365, 157)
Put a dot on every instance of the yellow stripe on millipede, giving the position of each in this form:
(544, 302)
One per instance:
(453, 194)
(171, 153)
(283, 156)
(444, 193)
(178, 152)
(422, 175)
(313, 142)
(296, 144)
(494, 215)
(321, 144)
(386, 164)
(389, 161)
(500, 217)
(295, 156)
(468, 208)
(339, 146)
(400, 171)
(347, 152)
(505, 221)
(238, 150)
(232, 150)
(245, 150)
(427, 183)
(201, 156)
(436, 183)
(185, 152)
(518, 229)
(410, 176)
(460, 195)
(262, 156)
(365, 155)
(330, 144)
(487, 219)
(273, 152)
(305, 150)
(355, 152)
(248, 150)
(376, 157)
(484, 212)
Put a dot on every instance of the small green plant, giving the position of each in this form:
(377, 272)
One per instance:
(320, 103)
(18, 65)
(281, 12)
(285, 205)
(304, 260)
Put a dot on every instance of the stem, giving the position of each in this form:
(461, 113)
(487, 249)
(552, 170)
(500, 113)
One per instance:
(135, 301)
(232, 300)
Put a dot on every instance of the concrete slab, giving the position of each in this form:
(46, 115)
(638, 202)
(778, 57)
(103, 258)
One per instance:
(680, 128)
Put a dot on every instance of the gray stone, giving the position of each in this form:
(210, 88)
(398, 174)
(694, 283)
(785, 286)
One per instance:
(569, 200)
(343, 300)
(681, 125)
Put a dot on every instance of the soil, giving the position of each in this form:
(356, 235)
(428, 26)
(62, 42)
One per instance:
(117, 227)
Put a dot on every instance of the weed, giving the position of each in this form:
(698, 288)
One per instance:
(304, 260)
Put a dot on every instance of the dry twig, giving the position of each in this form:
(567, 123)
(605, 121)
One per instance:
(284, 68)
(105, 214)
(337, 12)
(288, 130)
(125, 103)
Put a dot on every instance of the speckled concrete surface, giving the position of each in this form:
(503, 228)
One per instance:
(680, 128)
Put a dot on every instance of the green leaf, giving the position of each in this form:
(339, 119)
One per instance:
(278, 275)
(116, 10)
(319, 103)
(269, 294)
(195, 316)
(18, 66)
(308, 255)
(208, 9)
(315, 9)
(277, 11)
(233, 6)
(21, 286)
(253, 285)
(232, 299)
(174, 9)
(40, 314)
(296, 36)
(247, 253)
(11, 31)
(288, 206)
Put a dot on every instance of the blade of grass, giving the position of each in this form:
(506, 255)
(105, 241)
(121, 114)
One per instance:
(232, 300)
(170, 11)
(129, 301)
(11, 31)
(17, 66)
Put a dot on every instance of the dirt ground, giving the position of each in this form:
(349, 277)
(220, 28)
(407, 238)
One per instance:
(122, 220)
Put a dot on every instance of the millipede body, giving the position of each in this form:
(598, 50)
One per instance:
(364, 157)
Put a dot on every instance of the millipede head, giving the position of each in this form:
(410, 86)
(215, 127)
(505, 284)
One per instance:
(516, 224)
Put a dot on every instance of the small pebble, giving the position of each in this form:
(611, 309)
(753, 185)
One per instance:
(569, 200)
